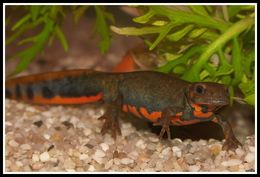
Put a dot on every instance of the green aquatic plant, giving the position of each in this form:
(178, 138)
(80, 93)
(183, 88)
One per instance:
(202, 43)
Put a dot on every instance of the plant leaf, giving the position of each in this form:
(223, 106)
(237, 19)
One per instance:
(176, 36)
(21, 21)
(62, 38)
(102, 29)
(198, 9)
(144, 18)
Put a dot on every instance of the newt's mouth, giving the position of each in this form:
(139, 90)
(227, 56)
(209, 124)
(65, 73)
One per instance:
(210, 108)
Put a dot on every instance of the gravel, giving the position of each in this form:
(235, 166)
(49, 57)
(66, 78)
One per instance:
(80, 147)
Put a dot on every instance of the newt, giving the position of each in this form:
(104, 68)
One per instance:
(160, 98)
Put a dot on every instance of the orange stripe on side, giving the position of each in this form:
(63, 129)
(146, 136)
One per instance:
(66, 100)
(134, 111)
(153, 116)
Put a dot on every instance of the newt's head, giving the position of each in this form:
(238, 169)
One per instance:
(209, 95)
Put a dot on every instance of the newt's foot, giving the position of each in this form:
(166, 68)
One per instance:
(231, 144)
(111, 123)
(165, 128)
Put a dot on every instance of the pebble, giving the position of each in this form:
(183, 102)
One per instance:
(176, 151)
(250, 157)
(99, 153)
(109, 164)
(231, 162)
(140, 143)
(69, 164)
(83, 156)
(98, 159)
(91, 168)
(239, 152)
(126, 161)
(44, 157)
(194, 168)
(25, 147)
(13, 143)
(154, 139)
(252, 148)
(7, 123)
(20, 106)
(104, 146)
(46, 136)
(35, 158)
(37, 166)
(19, 163)
(166, 151)
(87, 131)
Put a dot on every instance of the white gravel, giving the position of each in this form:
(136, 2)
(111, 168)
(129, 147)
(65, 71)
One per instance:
(78, 146)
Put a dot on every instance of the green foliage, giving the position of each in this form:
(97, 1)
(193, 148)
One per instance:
(211, 42)
(49, 19)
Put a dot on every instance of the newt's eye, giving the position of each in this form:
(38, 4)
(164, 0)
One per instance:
(200, 89)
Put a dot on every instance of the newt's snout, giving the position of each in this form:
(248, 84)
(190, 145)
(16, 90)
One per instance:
(210, 95)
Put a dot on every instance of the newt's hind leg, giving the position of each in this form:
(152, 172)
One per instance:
(111, 118)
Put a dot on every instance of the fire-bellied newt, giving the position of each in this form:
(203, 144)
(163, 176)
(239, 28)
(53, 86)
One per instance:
(158, 97)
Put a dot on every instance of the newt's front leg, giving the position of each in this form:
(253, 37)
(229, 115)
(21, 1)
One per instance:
(231, 141)
(165, 121)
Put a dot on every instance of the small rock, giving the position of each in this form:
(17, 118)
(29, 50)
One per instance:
(109, 164)
(140, 144)
(98, 159)
(13, 143)
(250, 157)
(231, 162)
(166, 151)
(44, 157)
(126, 161)
(25, 147)
(69, 164)
(104, 146)
(215, 149)
(46, 136)
(91, 168)
(19, 163)
(154, 139)
(239, 152)
(99, 153)
(87, 131)
(194, 168)
(176, 151)
(252, 148)
(35, 158)
(37, 166)
(83, 156)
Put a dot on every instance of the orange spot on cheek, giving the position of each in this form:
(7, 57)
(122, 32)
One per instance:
(66, 100)
(198, 113)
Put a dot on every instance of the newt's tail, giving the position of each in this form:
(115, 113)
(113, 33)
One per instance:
(62, 87)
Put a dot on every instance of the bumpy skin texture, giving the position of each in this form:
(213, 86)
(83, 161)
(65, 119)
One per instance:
(160, 98)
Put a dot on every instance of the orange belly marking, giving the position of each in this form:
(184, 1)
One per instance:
(151, 116)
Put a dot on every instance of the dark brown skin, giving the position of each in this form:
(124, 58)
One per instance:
(160, 98)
